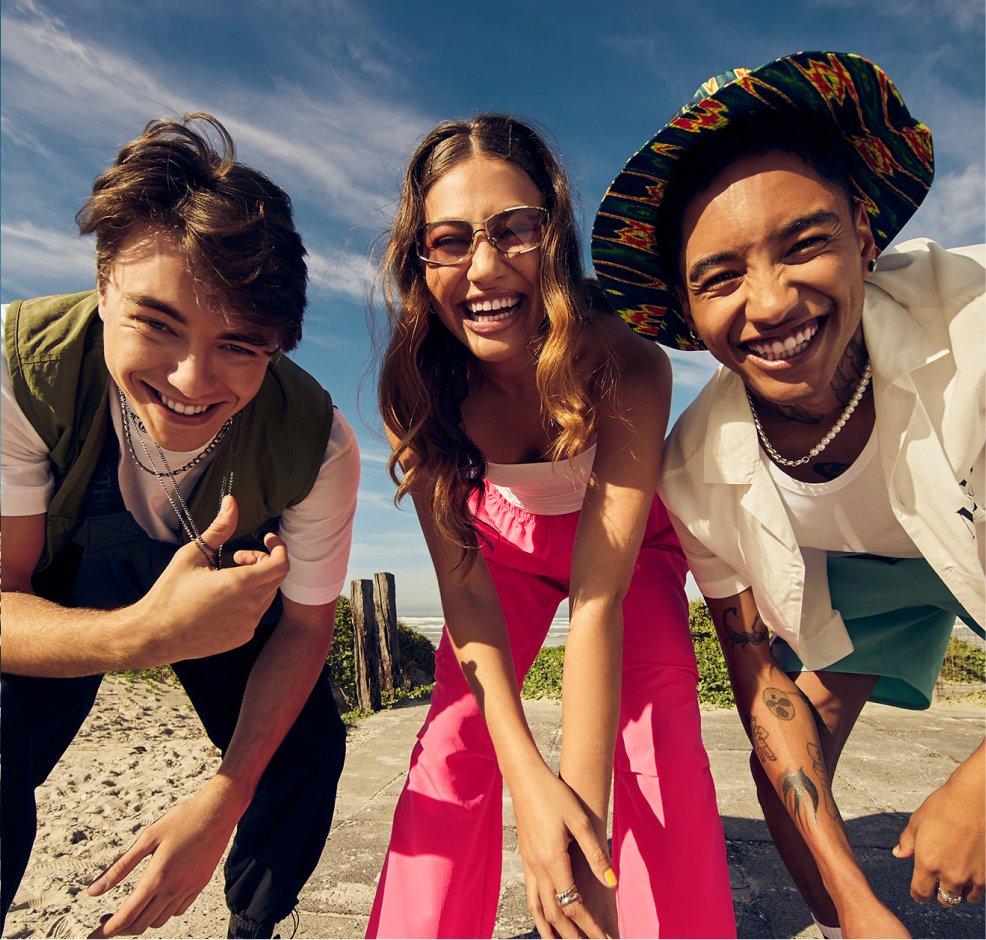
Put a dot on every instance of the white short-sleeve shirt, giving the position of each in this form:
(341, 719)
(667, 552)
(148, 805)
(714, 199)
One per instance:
(317, 531)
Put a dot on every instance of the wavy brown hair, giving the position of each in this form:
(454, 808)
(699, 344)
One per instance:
(233, 225)
(424, 375)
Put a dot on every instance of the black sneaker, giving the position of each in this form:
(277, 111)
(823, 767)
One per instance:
(247, 929)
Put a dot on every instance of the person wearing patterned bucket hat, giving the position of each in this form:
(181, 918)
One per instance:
(827, 483)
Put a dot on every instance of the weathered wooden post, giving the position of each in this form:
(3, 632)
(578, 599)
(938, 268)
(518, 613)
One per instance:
(385, 608)
(366, 645)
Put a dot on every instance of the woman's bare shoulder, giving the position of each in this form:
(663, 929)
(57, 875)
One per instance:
(643, 365)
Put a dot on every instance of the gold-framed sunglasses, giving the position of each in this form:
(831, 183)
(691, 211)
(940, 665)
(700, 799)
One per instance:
(511, 232)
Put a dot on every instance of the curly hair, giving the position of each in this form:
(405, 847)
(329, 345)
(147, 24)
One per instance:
(424, 375)
(233, 225)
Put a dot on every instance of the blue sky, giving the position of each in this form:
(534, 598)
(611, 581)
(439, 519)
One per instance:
(329, 98)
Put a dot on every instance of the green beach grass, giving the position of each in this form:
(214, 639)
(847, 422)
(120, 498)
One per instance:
(965, 667)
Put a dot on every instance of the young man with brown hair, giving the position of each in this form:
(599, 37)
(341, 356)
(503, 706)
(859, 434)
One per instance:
(177, 491)
(827, 483)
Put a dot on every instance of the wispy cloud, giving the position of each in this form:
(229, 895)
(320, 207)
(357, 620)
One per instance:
(392, 552)
(34, 253)
(692, 369)
(339, 272)
(962, 14)
(13, 134)
(952, 214)
(655, 53)
(375, 499)
(323, 340)
(374, 457)
(342, 148)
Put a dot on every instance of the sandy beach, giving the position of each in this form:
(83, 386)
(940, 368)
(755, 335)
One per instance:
(142, 749)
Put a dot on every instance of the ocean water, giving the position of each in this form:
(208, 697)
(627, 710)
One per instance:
(431, 627)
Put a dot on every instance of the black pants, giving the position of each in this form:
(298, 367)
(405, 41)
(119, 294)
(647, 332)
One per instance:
(280, 837)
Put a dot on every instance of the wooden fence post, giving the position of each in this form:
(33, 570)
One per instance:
(385, 609)
(366, 645)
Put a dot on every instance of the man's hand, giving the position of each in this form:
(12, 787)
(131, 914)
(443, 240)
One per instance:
(945, 836)
(193, 611)
(185, 846)
(190, 612)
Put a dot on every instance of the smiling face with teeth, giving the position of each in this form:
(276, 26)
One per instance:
(184, 368)
(773, 260)
(490, 303)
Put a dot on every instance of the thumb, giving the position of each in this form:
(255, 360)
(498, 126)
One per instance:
(595, 854)
(223, 527)
(905, 844)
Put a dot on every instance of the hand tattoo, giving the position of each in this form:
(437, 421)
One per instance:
(818, 765)
(758, 735)
(797, 791)
(737, 635)
(779, 703)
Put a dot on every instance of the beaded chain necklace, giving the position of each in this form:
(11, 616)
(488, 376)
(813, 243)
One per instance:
(825, 441)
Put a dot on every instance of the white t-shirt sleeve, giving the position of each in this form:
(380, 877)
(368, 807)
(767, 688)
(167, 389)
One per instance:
(712, 575)
(318, 531)
(26, 480)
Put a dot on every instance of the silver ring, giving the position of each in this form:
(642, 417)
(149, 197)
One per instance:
(952, 900)
(564, 898)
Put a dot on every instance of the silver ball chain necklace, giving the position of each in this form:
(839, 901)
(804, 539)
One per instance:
(173, 495)
(825, 441)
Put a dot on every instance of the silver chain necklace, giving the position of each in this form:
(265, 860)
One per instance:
(174, 497)
(825, 441)
(197, 459)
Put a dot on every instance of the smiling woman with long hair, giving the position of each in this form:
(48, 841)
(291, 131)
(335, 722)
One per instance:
(528, 425)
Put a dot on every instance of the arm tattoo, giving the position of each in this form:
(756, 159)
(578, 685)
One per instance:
(800, 796)
(737, 635)
(817, 761)
(818, 765)
(759, 735)
(779, 703)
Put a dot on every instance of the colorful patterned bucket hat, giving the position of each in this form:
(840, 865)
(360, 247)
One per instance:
(889, 154)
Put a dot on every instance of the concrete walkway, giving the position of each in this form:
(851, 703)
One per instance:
(893, 761)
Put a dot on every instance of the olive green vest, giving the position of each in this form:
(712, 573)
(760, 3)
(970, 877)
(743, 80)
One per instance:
(54, 348)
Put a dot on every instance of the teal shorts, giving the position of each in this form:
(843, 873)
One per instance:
(900, 616)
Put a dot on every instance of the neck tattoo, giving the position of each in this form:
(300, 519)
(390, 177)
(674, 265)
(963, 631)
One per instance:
(844, 380)
(825, 441)
(173, 494)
